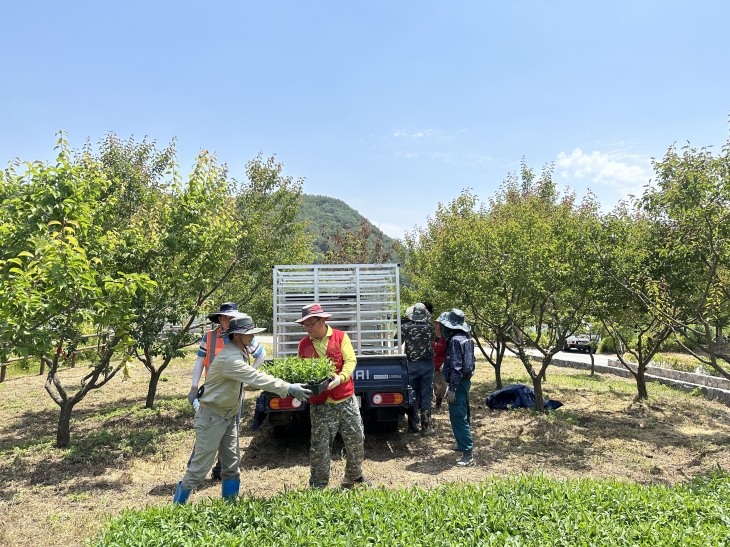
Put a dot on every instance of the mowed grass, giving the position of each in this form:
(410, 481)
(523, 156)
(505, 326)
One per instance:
(124, 456)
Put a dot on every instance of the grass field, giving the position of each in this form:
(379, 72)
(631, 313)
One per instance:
(124, 456)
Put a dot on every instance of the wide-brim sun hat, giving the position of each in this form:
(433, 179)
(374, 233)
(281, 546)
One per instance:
(454, 320)
(418, 312)
(312, 310)
(227, 308)
(242, 325)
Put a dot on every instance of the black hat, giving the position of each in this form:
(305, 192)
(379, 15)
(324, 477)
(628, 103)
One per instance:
(243, 324)
(227, 308)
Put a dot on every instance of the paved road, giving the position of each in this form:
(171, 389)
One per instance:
(580, 357)
(576, 356)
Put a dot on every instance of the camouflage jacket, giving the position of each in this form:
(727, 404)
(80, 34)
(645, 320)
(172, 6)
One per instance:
(417, 337)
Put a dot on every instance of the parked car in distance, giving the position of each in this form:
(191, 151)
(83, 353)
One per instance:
(581, 342)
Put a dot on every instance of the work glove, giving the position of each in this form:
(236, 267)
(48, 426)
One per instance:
(336, 381)
(298, 392)
(451, 397)
(193, 394)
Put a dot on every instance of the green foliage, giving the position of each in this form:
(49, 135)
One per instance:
(690, 205)
(631, 266)
(59, 273)
(608, 345)
(521, 511)
(354, 247)
(521, 266)
(327, 217)
(268, 232)
(206, 240)
(294, 369)
(54, 253)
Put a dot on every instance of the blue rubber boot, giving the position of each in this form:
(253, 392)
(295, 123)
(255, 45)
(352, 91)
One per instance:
(229, 489)
(181, 496)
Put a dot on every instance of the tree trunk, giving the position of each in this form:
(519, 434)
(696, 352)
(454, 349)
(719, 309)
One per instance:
(498, 365)
(537, 386)
(593, 363)
(641, 382)
(63, 434)
(152, 387)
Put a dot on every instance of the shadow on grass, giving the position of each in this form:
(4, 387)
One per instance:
(101, 437)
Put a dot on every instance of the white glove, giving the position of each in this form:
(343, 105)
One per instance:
(336, 381)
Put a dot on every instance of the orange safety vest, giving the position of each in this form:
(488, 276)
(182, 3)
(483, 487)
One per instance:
(345, 389)
(214, 344)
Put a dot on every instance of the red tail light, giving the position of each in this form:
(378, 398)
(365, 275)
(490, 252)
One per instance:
(284, 403)
(387, 398)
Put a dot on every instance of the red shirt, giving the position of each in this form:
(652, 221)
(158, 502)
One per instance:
(439, 352)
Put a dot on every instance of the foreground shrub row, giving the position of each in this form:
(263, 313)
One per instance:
(522, 511)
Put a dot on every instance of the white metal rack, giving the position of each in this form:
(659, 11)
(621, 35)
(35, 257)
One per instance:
(364, 300)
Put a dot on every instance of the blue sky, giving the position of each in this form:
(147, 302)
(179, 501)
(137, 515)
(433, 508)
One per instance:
(391, 106)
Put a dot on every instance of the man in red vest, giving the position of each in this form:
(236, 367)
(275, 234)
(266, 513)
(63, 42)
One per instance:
(336, 408)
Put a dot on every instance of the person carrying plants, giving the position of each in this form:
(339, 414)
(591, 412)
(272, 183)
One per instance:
(215, 419)
(335, 409)
(210, 345)
(458, 369)
(417, 335)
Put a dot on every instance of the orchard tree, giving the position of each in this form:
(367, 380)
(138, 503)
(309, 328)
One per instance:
(690, 202)
(521, 266)
(208, 239)
(266, 207)
(627, 244)
(437, 259)
(59, 279)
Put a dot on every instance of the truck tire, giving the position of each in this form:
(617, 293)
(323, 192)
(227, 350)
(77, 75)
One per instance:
(279, 431)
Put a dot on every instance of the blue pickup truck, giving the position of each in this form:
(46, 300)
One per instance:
(381, 386)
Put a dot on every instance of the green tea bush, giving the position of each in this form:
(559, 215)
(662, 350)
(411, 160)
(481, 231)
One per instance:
(295, 369)
(520, 511)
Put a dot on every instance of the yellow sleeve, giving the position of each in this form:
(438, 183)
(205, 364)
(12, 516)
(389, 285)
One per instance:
(348, 358)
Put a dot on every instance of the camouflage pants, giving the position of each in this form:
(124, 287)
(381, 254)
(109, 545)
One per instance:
(327, 420)
(439, 384)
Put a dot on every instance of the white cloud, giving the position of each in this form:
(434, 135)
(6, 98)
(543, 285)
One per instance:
(412, 135)
(617, 171)
(435, 133)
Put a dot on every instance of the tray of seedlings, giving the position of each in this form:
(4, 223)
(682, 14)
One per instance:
(315, 373)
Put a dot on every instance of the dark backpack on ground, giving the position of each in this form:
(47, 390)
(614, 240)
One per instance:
(517, 396)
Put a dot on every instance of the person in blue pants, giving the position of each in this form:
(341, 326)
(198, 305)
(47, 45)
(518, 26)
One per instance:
(458, 369)
(417, 336)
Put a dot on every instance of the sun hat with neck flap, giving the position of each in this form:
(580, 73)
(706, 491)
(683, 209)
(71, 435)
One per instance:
(243, 324)
(454, 320)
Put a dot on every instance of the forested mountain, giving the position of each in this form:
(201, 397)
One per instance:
(327, 217)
